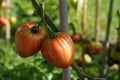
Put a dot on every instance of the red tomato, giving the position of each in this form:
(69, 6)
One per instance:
(58, 51)
(28, 38)
(95, 48)
(4, 22)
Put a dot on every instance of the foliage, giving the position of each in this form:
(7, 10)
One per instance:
(33, 68)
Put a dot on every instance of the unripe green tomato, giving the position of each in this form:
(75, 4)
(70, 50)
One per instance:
(115, 55)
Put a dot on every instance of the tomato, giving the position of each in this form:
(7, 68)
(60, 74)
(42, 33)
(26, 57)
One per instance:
(28, 38)
(85, 59)
(80, 62)
(115, 55)
(95, 48)
(4, 22)
(12, 19)
(58, 51)
(75, 37)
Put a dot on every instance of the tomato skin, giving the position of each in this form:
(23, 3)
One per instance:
(28, 43)
(58, 51)
(75, 37)
(4, 22)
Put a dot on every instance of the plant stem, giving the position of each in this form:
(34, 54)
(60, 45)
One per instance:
(73, 28)
(80, 72)
(51, 34)
(106, 44)
(47, 19)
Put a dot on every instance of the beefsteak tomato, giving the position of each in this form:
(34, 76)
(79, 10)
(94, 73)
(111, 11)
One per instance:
(28, 38)
(58, 51)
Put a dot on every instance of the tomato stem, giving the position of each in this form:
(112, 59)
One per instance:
(73, 28)
(50, 32)
(47, 19)
(80, 71)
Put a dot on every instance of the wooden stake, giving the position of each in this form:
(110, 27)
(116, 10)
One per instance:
(8, 27)
(84, 20)
(97, 18)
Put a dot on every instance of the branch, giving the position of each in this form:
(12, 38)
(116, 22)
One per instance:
(80, 71)
(47, 19)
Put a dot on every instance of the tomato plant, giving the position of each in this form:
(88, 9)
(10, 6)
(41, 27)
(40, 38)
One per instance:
(4, 22)
(28, 38)
(58, 51)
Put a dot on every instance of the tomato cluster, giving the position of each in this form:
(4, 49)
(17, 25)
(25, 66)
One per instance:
(31, 38)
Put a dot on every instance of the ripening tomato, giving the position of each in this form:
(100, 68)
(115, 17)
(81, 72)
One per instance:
(75, 37)
(4, 22)
(28, 38)
(95, 48)
(58, 51)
